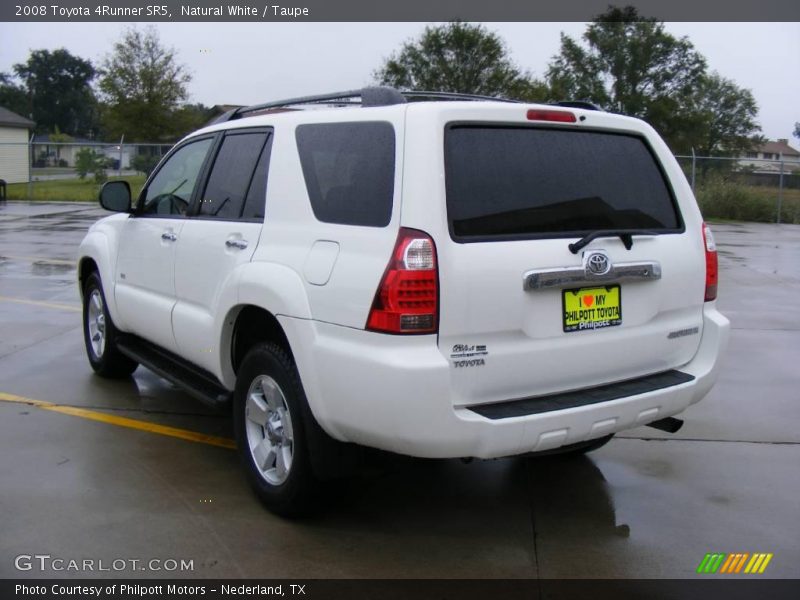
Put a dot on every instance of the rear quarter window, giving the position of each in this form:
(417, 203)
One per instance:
(349, 171)
(523, 182)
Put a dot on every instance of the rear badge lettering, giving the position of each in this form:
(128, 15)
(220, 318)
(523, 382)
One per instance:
(468, 355)
(475, 362)
(683, 332)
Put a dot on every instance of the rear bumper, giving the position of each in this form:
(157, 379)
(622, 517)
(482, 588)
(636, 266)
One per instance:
(394, 394)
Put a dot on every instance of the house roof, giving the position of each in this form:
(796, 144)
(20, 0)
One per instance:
(779, 147)
(11, 119)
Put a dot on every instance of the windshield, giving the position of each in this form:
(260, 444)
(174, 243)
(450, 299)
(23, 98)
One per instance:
(513, 181)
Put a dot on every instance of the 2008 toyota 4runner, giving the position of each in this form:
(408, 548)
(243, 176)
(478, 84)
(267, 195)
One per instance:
(429, 274)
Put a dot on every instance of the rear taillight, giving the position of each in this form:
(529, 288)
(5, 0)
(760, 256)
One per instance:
(712, 269)
(407, 300)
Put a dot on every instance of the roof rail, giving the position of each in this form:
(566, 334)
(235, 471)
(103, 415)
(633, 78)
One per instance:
(414, 94)
(577, 104)
(370, 96)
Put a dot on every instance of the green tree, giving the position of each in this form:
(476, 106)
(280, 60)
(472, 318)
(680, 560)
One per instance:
(143, 85)
(58, 89)
(724, 117)
(60, 138)
(797, 130)
(190, 117)
(458, 57)
(145, 162)
(13, 96)
(629, 64)
(88, 161)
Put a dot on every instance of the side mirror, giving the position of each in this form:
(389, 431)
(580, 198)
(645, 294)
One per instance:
(116, 196)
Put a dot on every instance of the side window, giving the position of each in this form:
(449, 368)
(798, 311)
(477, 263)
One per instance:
(231, 176)
(349, 171)
(170, 192)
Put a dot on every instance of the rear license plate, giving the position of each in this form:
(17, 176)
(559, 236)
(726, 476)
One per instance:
(592, 308)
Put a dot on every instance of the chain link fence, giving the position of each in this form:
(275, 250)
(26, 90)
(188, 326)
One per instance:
(743, 189)
(43, 169)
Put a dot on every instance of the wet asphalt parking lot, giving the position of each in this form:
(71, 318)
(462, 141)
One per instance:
(647, 505)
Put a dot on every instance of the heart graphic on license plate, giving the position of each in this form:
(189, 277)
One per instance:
(588, 300)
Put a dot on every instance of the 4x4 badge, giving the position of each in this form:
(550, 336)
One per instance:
(596, 263)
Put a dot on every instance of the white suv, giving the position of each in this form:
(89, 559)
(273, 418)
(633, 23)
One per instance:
(428, 274)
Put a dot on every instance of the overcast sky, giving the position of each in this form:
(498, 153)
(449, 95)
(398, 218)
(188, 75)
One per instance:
(243, 63)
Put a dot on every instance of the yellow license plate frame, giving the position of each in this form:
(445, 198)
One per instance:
(590, 308)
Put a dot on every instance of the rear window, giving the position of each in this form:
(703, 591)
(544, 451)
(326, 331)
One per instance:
(528, 182)
(349, 171)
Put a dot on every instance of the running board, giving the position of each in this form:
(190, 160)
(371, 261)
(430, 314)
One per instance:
(197, 382)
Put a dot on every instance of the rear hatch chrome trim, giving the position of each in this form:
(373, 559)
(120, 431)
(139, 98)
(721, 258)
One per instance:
(545, 279)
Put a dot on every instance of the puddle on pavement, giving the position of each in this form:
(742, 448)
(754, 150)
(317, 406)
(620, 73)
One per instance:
(49, 268)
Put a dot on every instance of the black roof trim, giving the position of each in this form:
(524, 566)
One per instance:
(371, 96)
(415, 94)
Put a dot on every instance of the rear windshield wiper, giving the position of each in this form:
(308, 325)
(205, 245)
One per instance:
(626, 235)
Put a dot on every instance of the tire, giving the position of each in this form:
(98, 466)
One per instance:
(271, 420)
(100, 335)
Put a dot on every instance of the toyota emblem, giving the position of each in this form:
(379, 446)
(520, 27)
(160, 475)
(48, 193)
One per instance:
(597, 264)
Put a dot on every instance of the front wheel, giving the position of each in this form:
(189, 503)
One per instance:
(100, 335)
(269, 408)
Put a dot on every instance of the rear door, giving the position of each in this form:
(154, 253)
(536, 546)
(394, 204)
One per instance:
(522, 313)
(221, 235)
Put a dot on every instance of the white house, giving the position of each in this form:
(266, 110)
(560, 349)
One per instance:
(47, 153)
(14, 136)
(767, 157)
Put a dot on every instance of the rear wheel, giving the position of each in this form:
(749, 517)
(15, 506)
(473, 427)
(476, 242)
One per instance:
(269, 417)
(100, 334)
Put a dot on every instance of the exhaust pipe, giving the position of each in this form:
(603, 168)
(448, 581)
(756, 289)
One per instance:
(668, 424)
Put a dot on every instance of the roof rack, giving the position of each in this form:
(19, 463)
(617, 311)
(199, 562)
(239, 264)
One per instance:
(378, 96)
(414, 94)
(366, 97)
(371, 96)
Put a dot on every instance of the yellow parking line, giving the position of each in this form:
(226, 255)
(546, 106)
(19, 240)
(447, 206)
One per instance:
(58, 305)
(184, 434)
(39, 259)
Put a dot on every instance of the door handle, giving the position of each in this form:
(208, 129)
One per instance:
(237, 243)
(168, 236)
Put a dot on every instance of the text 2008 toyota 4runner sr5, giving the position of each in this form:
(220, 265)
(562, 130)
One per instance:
(430, 274)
